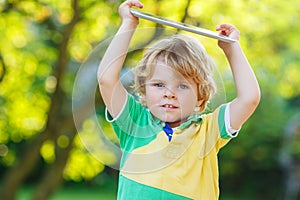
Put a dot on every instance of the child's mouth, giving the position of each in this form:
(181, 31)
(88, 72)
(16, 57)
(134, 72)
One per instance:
(169, 106)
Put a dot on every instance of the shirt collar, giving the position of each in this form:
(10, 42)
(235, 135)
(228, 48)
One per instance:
(193, 119)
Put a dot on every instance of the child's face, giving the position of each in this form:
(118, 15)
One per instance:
(170, 96)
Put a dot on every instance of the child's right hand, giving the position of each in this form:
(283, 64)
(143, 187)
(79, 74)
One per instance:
(124, 11)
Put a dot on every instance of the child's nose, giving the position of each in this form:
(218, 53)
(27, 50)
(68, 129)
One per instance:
(169, 94)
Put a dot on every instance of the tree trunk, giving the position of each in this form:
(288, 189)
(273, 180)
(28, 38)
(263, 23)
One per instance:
(290, 163)
(53, 178)
(14, 178)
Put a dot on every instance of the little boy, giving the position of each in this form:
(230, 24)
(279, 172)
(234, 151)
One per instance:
(169, 147)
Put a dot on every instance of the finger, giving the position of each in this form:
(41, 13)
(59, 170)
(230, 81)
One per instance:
(139, 4)
(223, 27)
(135, 3)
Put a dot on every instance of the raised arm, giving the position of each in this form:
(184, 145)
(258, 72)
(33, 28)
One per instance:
(248, 92)
(111, 89)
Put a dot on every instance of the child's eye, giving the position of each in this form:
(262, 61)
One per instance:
(182, 86)
(158, 85)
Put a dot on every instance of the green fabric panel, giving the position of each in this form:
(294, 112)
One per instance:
(127, 186)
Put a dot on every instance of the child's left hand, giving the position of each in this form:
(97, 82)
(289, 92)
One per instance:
(228, 31)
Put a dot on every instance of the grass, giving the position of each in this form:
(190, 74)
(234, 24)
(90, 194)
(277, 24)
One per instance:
(74, 193)
(106, 192)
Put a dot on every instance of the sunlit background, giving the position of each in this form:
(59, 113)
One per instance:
(44, 44)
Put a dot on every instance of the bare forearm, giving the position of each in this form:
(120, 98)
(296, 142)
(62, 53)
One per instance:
(113, 60)
(245, 80)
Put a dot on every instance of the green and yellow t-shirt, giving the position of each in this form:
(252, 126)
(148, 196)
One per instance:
(154, 168)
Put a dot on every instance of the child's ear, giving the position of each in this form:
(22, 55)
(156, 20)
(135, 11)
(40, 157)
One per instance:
(200, 102)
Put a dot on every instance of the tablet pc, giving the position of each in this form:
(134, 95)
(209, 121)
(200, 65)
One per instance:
(180, 25)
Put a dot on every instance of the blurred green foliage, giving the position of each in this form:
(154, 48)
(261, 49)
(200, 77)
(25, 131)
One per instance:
(32, 31)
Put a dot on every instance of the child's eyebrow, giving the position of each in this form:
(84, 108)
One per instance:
(155, 80)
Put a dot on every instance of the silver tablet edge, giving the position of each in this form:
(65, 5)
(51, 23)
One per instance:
(189, 28)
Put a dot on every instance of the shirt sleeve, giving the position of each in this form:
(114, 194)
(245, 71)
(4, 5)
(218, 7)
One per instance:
(230, 131)
(215, 131)
(109, 118)
(226, 132)
(132, 124)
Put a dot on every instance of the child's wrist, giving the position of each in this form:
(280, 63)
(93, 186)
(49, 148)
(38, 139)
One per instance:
(129, 23)
(230, 47)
